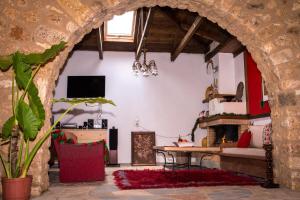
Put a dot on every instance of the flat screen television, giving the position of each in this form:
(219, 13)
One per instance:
(86, 86)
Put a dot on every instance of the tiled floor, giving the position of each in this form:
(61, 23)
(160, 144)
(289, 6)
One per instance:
(107, 190)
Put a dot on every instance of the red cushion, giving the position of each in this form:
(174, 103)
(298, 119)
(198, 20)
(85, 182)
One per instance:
(244, 140)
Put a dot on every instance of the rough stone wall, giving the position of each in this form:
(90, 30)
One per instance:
(270, 30)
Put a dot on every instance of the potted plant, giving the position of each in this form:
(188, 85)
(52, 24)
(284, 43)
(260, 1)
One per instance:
(28, 116)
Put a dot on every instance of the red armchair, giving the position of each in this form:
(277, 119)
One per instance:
(80, 162)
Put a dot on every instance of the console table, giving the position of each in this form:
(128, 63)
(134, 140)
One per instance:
(167, 151)
(88, 135)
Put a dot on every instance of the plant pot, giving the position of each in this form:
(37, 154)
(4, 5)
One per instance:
(16, 188)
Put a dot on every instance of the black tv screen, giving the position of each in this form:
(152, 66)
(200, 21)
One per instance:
(86, 86)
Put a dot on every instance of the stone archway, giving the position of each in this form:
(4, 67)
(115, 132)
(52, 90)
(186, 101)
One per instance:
(269, 29)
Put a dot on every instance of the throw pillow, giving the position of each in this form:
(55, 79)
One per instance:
(257, 135)
(244, 140)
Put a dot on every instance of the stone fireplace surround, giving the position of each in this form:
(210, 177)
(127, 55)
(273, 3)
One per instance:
(269, 30)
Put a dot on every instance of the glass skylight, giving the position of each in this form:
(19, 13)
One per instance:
(120, 27)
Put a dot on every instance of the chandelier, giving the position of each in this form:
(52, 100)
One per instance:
(144, 68)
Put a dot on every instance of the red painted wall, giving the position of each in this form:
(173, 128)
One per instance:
(255, 89)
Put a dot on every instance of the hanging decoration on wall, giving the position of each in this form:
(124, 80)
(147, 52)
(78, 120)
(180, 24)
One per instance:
(144, 68)
(212, 69)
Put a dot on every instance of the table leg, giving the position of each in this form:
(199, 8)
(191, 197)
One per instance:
(165, 158)
(189, 155)
(173, 160)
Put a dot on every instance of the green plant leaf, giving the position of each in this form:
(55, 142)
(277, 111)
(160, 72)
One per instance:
(7, 128)
(5, 62)
(41, 58)
(22, 70)
(85, 100)
(28, 122)
(37, 107)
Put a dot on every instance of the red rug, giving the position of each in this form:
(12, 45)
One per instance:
(143, 179)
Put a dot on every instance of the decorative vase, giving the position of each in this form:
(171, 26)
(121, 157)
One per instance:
(16, 188)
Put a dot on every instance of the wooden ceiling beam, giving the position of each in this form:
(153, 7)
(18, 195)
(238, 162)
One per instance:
(144, 34)
(186, 39)
(210, 35)
(167, 12)
(100, 41)
(216, 50)
(241, 49)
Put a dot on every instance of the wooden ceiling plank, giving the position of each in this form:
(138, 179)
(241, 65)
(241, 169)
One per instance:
(216, 50)
(186, 39)
(100, 42)
(144, 34)
(215, 36)
(168, 13)
(215, 33)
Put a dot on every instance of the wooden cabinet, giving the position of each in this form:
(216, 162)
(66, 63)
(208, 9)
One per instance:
(142, 152)
(88, 135)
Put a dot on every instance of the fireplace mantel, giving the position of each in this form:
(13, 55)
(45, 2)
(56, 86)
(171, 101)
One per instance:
(223, 120)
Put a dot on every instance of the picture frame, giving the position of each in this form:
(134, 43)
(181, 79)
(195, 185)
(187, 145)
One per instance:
(142, 152)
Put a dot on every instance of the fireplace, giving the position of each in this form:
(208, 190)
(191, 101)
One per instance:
(231, 125)
(231, 133)
(228, 133)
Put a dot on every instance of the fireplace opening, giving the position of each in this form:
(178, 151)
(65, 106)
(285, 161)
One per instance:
(225, 133)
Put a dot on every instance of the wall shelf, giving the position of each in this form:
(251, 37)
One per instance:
(228, 97)
(224, 120)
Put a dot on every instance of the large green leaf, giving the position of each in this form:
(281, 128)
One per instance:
(28, 122)
(8, 127)
(41, 58)
(37, 107)
(22, 70)
(5, 62)
(85, 100)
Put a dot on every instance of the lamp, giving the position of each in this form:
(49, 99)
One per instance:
(144, 68)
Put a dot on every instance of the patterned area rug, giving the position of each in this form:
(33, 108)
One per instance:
(143, 179)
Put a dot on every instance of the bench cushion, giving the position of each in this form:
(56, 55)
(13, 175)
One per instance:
(245, 151)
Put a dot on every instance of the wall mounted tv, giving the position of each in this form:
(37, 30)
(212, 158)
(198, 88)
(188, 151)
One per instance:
(86, 86)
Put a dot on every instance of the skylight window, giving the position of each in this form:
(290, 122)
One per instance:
(120, 28)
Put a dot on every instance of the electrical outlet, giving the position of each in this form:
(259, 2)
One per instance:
(137, 122)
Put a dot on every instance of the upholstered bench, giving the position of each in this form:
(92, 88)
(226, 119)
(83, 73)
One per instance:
(250, 160)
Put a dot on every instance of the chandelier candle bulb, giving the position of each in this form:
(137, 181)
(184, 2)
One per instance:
(145, 69)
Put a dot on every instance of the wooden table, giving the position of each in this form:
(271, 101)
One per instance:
(167, 151)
